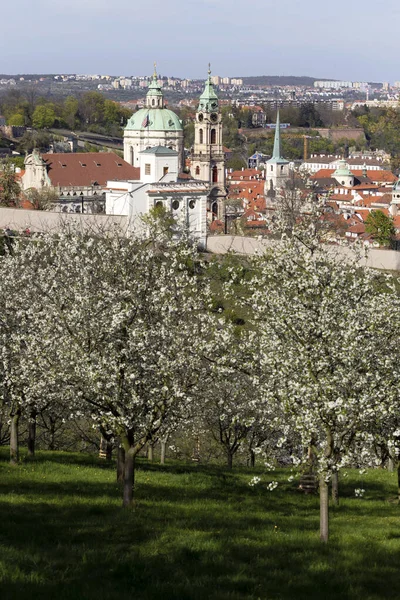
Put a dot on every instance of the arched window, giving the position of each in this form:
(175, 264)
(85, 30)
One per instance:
(132, 156)
(197, 170)
(200, 136)
(214, 209)
(213, 136)
(215, 174)
(153, 102)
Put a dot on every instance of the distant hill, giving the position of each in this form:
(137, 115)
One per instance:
(280, 80)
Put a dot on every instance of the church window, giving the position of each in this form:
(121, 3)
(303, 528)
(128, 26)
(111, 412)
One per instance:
(165, 170)
(192, 203)
(214, 209)
(175, 205)
(132, 156)
(213, 136)
(215, 175)
(272, 168)
(200, 136)
(147, 169)
(197, 170)
(281, 169)
(159, 204)
(153, 102)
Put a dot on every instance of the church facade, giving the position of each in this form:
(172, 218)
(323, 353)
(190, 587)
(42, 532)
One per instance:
(152, 126)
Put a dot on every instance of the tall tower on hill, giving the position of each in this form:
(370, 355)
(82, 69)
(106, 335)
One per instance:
(208, 161)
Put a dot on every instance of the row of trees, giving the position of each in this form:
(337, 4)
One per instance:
(125, 334)
(91, 111)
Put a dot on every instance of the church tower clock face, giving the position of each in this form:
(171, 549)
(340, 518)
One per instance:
(214, 117)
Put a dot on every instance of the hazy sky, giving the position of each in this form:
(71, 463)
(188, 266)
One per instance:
(345, 39)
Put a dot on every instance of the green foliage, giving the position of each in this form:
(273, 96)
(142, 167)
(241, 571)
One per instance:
(44, 116)
(16, 119)
(34, 139)
(196, 532)
(380, 226)
(9, 187)
(382, 128)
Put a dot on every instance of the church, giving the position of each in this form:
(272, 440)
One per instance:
(152, 126)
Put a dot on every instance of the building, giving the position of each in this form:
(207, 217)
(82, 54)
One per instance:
(159, 185)
(154, 125)
(317, 162)
(277, 167)
(333, 84)
(79, 179)
(208, 160)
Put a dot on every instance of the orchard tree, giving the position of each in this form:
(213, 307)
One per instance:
(315, 315)
(126, 327)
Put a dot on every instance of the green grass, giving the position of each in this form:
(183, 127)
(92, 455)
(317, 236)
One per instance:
(195, 533)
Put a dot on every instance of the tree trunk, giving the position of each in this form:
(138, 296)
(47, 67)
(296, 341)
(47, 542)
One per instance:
(109, 449)
(230, 459)
(14, 445)
(32, 434)
(324, 508)
(120, 464)
(129, 479)
(335, 488)
(52, 432)
(398, 479)
(390, 464)
(150, 452)
(252, 458)
(163, 451)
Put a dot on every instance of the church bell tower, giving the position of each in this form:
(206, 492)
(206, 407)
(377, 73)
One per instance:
(208, 161)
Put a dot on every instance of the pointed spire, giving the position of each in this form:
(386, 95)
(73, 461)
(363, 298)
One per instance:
(277, 152)
(277, 141)
(208, 99)
(155, 71)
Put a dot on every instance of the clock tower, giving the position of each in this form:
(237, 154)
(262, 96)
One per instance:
(208, 161)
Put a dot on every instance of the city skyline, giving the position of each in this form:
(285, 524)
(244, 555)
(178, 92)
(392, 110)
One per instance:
(338, 42)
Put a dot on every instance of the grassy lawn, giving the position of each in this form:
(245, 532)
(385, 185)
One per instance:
(196, 533)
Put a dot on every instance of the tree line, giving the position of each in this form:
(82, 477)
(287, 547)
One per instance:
(91, 111)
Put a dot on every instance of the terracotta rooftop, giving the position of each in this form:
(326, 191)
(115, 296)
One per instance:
(88, 168)
(374, 176)
(245, 175)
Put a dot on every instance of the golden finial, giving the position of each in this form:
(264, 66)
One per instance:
(209, 69)
(155, 70)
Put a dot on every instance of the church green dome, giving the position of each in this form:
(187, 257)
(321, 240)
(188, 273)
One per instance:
(154, 119)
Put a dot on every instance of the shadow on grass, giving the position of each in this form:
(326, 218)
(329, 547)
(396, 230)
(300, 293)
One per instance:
(197, 533)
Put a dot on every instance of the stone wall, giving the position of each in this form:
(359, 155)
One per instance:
(376, 258)
(45, 221)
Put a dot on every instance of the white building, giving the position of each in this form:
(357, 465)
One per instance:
(159, 185)
(154, 125)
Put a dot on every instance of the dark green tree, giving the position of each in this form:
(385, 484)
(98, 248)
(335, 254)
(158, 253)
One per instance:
(380, 226)
(9, 187)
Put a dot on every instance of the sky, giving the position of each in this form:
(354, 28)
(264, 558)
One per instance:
(355, 40)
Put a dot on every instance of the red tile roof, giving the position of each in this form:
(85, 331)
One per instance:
(87, 168)
(374, 176)
(245, 175)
